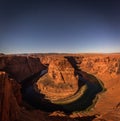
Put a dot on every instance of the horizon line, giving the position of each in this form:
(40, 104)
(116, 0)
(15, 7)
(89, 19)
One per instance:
(1, 53)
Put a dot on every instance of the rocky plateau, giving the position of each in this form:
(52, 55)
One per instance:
(62, 87)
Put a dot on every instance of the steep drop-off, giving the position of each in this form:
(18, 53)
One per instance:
(10, 98)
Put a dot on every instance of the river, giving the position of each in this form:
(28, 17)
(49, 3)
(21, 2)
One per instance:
(68, 105)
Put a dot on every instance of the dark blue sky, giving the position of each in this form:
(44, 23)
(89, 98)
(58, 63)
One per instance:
(59, 26)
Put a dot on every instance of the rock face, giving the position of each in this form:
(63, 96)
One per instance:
(20, 67)
(10, 97)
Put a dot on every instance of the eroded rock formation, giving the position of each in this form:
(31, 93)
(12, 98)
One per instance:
(60, 81)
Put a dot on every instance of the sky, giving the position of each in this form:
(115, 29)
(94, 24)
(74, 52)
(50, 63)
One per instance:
(59, 26)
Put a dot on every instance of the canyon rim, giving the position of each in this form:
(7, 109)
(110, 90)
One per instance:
(49, 87)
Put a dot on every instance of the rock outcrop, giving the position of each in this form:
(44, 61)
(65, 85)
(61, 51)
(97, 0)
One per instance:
(20, 67)
(10, 98)
(61, 80)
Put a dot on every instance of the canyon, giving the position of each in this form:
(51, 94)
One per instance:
(62, 87)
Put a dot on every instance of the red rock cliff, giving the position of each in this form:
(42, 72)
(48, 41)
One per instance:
(10, 97)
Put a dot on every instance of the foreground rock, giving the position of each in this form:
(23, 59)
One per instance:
(10, 98)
